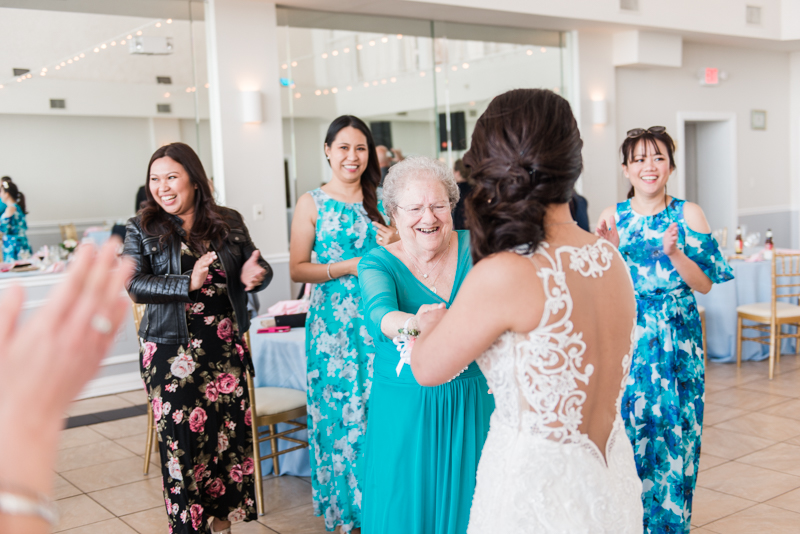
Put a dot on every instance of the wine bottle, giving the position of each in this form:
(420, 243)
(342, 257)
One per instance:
(739, 243)
(768, 246)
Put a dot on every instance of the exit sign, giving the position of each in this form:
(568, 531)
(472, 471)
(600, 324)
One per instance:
(711, 77)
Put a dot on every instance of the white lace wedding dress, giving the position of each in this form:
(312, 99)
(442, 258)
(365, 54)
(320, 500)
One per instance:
(538, 472)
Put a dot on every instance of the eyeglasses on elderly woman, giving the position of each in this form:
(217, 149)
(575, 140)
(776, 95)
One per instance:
(418, 210)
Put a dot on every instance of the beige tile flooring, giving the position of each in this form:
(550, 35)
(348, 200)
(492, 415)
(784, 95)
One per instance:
(749, 478)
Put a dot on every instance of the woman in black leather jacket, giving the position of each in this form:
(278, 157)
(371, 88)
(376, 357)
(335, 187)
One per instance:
(195, 262)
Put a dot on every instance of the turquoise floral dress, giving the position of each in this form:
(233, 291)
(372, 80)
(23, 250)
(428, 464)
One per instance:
(663, 401)
(340, 353)
(15, 240)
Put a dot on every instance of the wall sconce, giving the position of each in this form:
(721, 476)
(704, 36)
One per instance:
(251, 107)
(599, 113)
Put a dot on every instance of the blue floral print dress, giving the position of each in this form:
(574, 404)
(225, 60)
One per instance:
(340, 353)
(15, 240)
(664, 399)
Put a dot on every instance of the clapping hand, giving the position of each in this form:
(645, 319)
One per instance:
(609, 233)
(670, 239)
(200, 270)
(252, 272)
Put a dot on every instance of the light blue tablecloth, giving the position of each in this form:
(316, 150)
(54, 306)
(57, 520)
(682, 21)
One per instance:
(752, 283)
(280, 361)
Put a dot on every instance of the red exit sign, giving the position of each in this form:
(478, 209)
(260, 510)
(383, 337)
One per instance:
(711, 76)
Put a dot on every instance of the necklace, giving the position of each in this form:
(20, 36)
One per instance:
(425, 275)
(560, 223)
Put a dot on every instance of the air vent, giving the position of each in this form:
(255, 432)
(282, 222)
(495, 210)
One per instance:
(166, 80)
(20, 72)
(58, 103)
(629, 5)
(753, 15)
(164, 108)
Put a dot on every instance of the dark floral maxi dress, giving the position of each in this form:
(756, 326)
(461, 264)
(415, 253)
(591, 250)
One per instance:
(200, 404)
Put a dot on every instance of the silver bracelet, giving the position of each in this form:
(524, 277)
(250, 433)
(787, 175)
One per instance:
(329, 272)
(41, 507)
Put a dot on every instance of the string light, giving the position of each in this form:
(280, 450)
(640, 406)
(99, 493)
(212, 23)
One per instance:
(158, 24)
(529, 52)
(129, 37)
(385, 40)
(284, 66)
(207, 85)
(543, 49)
(122, 42)
(399, 36)
(335, 53)
(334, 90)
(375, 82)
(103, 46)
(372, 43)
(113, 43)
(383, 82)
(317, 92)
(139, 32)
(325, 92)
(169, 21)
(359, 46)
(465, 66)
(96, 49)
(454, 68)
(294, 63)
(69, 61)
(366, 84)
(297, 95)
(438, 69)
(346, 50)
(166, 95)
(422, 74)
(393, 79)
(324, 56)
(349, 87)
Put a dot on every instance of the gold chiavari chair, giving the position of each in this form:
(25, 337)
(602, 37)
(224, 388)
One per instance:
(270, 406)
(771, 316)
(138, 313)
(68, 231)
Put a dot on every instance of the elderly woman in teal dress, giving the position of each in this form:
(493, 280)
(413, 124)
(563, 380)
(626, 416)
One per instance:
(340, 222)
(12, 223)
(670, 252)
(423, 443)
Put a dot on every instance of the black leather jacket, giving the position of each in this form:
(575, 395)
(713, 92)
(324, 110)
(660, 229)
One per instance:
(159, 282)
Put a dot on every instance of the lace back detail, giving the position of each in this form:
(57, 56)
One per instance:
(541, 389)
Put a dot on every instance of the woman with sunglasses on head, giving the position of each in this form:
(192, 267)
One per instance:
(669, 250)
(340, 222)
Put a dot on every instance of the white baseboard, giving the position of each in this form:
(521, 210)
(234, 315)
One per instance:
(110, 385)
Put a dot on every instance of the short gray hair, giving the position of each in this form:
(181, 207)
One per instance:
(417, 168)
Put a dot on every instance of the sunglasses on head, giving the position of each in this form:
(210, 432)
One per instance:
(636, 132)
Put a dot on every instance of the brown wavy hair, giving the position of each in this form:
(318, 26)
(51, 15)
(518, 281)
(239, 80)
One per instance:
(371, 178)
(525, 155)
(209, 225)
(649, 138)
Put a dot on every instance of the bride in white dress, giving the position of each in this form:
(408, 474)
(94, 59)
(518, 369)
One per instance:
(548, 312)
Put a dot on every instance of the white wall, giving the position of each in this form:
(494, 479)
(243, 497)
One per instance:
(597, 82)
(756, 80)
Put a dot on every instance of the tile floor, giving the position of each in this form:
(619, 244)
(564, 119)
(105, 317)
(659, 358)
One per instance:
(749, 478)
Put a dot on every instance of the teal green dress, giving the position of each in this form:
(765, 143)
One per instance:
(423, 443)
(15, 238)
(339, 355)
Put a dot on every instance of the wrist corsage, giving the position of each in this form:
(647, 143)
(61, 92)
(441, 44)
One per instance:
(404, 342)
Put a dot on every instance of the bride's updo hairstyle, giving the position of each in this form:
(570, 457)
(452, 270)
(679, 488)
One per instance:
(525, 155)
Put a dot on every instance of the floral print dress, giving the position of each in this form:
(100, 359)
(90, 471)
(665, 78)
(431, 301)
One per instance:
(339, 354)
(15, 240)
(200, 404)
(663, 402)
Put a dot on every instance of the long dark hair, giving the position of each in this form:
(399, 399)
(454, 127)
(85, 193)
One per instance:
(372, 174)
(648, 138)
(15, 193)
(209, 224)
(525, 155)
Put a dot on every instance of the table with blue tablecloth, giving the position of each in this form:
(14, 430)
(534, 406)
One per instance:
(280, 361)
(752, 283)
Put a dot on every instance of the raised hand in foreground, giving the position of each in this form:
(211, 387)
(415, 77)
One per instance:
(46, 361)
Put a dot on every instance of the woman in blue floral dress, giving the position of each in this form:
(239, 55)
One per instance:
(12, 223)
(670, 252)
(340, 222)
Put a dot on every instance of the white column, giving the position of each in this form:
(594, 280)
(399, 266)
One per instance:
(597, 81)
(794, 143)
(248, 158)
